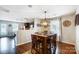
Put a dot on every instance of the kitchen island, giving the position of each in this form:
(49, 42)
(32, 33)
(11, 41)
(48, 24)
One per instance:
(42, 43)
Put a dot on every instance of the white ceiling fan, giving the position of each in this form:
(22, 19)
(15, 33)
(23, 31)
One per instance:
(4, 9)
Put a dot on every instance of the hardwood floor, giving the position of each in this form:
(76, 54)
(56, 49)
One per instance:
(62, 48)
(65, 48)
(23, 48)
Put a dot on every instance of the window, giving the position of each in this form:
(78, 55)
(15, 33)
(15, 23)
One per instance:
(15, 27)
(3, 29)
(54, 26)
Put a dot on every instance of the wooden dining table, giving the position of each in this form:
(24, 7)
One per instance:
(44, 41)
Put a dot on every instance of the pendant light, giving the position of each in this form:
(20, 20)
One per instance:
(44, 22)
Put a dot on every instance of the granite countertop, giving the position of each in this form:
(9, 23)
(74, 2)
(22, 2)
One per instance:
(8, 35)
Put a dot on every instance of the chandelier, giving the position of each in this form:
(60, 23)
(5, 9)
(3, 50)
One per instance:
(44, 22)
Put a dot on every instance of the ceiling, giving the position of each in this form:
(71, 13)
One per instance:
(25, 12)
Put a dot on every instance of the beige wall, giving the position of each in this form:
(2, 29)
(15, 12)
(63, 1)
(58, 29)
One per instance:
(68, 33)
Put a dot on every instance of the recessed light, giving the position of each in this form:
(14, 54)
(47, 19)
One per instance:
(4, 9)
(30, 6)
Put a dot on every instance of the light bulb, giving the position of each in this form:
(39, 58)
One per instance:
(44, 23)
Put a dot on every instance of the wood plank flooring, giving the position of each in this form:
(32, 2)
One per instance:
(62, 48)
(65, 48)
(23, 48)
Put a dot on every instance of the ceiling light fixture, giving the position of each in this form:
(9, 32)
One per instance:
(45, 14)
(44, 21)
(30, 6)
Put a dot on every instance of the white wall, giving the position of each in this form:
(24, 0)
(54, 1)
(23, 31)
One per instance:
(68, 33)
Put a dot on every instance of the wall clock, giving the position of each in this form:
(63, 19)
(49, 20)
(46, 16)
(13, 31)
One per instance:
(67, 23)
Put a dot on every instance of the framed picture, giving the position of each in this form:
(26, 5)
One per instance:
(67, 23)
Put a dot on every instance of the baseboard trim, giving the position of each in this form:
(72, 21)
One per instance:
(57, 41)
(23, 43)
(67, 43)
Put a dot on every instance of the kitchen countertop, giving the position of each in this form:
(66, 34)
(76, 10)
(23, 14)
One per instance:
(12, 35)
(43, 34)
